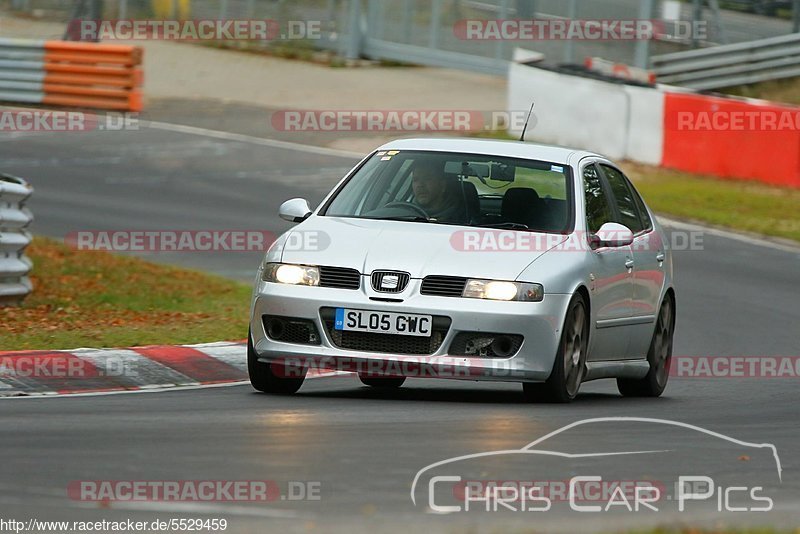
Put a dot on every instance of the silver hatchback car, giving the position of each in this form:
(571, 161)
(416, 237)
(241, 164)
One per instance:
(469, 259)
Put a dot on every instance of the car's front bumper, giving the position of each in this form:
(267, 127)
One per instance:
(539, 323)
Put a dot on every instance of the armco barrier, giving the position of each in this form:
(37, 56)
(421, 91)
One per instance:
(661, 125)
(14, 219)
(63, 73)
(730, 65)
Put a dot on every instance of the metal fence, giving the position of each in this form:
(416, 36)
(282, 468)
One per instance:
(731, 65)
(422, 31)
(410, 31)
(14, 238)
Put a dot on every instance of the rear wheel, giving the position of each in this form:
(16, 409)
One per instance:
(569, 367)
(659, 356)
(273, 378)
(383, 382)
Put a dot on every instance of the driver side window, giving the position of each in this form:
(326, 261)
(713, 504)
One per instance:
(598, 210)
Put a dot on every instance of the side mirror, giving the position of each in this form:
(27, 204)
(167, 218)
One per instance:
(294, 210)
(611, 235)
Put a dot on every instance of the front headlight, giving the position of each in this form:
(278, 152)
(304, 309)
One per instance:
(286, 273)
(497, 290)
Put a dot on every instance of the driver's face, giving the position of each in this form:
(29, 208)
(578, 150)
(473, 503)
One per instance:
(429, 187)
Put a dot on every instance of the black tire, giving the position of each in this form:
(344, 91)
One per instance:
(659, 356)
(269, 377)
(569, 367)
(383, 382)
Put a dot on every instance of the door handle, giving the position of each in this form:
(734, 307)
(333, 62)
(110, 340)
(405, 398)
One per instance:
(660, 257)
(629, 263)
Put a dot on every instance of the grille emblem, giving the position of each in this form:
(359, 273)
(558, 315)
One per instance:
(389, 281)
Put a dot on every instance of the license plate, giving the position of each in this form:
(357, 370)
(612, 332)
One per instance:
(407, 324)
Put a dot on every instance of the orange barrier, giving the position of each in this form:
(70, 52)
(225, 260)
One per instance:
(732, 138)
(92, 75)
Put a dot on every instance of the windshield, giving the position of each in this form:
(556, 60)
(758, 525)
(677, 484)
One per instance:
(457, 188)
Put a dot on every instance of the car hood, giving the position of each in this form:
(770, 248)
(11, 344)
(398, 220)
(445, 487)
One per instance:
(420, 249)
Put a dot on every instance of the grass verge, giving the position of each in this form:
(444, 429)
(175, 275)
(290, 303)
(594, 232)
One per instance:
(741, 205)
(786, 91)
(96, 299)
(693, 530)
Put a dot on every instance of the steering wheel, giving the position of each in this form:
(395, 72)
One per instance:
(409, 205)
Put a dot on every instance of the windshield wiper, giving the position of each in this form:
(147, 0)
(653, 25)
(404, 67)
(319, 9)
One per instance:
(508, 225)
(408, 218)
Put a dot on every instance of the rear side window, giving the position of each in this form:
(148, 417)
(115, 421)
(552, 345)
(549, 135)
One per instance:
(623, 195)
(598, 209)
(643, 215)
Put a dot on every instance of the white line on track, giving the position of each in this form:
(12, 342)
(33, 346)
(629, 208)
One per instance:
(203, 508)
(144, 389)
(228, 136)
(728, 234)
(156, 388)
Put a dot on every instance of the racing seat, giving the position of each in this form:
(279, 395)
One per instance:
(524, 206)
(467, 201)
(473, 202)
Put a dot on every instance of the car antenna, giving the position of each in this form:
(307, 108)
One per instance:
(525, 128)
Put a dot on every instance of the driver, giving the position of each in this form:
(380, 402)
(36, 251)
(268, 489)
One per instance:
(431, 191)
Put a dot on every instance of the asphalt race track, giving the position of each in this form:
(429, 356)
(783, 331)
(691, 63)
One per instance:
(364, 447)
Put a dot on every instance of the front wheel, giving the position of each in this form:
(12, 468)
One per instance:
(659, 357)
(383, 382)
(275, 378)
(569, 367)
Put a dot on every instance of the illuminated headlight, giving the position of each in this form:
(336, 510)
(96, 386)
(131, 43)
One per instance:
(497, 290)
(285, 273)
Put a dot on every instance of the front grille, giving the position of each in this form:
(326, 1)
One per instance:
(339, 277)
(443, 286)
(485, 345)
(291, 330)
(386, 343)
(390, 281)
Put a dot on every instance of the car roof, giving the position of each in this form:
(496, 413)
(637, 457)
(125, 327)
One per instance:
(492, 147)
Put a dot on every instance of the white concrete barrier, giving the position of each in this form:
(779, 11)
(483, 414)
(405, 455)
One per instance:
(645, 128)
(614, 119)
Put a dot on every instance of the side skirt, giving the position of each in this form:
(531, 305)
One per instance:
(616, 369)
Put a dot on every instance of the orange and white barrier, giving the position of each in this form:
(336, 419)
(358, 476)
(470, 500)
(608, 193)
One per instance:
(72, 74)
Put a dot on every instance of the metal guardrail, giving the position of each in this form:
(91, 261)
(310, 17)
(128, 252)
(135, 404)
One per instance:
(731, 65)
(14, 238)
